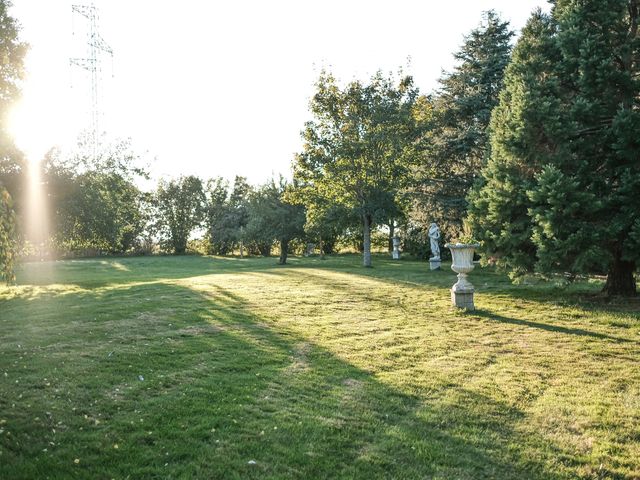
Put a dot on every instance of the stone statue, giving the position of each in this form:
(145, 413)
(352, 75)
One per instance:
(396, 248)
(434, 236)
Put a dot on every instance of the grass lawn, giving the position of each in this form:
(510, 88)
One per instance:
(196, 367)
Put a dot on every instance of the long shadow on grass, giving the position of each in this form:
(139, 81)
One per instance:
(193, 384)
(549, 327)
(100, 272)
(487, 280)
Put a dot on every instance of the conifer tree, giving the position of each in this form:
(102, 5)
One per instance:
(562, 184)
(455, 148)
(498, 211)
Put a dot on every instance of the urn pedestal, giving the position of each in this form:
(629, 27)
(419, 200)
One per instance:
(462, 263)
(396, 248)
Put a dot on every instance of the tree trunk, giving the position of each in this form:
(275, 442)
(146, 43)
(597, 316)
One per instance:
(620, 277)
(321, 249)
(366, 230)
(392, 231)
(265, 249)
(179, 248)
(329, 246)
(284, 249)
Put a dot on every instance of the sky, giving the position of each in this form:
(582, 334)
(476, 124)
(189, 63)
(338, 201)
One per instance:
(217, 88)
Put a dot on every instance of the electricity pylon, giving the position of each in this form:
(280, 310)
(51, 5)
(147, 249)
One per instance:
(96, 49)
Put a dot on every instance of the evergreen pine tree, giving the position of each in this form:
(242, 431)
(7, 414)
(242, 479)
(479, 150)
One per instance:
(526, 116)
(457, 143)
(562, 184)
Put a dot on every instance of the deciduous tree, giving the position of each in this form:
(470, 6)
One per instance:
(12, 72)
(354, 149)
(8, 242)
(12, 52)
(94, 199)
(273, 219)
(226, 214)
(180, 205)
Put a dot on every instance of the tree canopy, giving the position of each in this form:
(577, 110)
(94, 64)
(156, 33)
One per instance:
(180, 205)
(354, 149)
(95, 201)
(455, 146)
(273, 219)
(226, 213)
(12, 52)
(12, 72)
(561, 186)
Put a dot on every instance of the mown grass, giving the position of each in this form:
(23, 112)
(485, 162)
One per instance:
(199, 367)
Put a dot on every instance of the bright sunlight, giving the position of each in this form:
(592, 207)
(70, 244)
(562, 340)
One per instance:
(348, 239)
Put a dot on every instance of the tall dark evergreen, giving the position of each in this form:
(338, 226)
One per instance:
(456, 145)
(562, 184)
(498, 212)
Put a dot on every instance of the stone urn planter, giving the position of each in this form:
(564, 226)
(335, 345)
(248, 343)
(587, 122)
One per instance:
(396, 248)
(462, 264)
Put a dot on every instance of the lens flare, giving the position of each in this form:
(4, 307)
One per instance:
(30, 137)
(36, 225)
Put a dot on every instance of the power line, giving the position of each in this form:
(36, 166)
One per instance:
(96, 49)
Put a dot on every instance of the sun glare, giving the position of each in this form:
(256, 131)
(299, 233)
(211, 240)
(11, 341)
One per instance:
(28, 129)
(36, 224)
(29, 132)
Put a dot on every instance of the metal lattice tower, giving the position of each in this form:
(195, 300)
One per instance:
(96, 49)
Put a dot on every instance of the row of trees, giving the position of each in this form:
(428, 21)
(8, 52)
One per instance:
(388, 156)
(95, 206)
(536, 153)
(376, 154)
(242, 216)
(98, 207)
(368, 154)
(531, 150)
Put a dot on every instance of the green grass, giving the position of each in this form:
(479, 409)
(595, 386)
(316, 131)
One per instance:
(192, 367)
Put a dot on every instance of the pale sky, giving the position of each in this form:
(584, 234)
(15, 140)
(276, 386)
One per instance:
(222, 88)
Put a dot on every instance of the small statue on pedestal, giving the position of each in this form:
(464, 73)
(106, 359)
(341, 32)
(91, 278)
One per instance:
(434, 236)
(396, 248)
